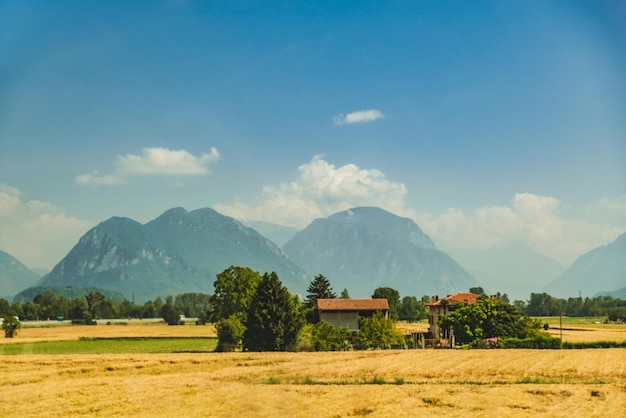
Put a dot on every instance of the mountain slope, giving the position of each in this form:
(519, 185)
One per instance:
(516, 270)
(177, 252)
(602, 269)
(364, 248)
(14, 276)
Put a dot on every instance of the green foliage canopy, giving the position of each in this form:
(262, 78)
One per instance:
(273, 319)
(393, 298)
(234, 289)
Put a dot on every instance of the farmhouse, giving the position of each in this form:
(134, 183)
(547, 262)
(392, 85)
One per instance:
(442, 307)
(346, 312)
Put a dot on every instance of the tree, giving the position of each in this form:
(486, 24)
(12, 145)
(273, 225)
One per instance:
(477, 291)
(393, 298)
(234, 289)
(229, 333)
(273, 319)
(10, 325)
(170, 314)
(377, 331)
(345, 294)
(487, 318)
(412, 309)
(319, 288)
(325, 337)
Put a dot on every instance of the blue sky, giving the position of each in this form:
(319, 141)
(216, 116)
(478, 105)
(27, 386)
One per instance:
(487, 122)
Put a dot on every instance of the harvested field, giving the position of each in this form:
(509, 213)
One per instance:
(132, 329)
(375, 383)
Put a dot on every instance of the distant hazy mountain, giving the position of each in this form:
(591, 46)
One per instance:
(600, 270)
(177, 252)
(364, 248)
(277, 233)
(618, 294)
(14, 276)
(516, 270)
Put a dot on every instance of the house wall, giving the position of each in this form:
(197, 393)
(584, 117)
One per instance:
(347, 319)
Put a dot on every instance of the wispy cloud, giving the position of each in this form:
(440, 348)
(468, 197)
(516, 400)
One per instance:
(152, 161)
(532, 219)
(166, 161)
(95, 179)
(37, 233)
(320, 190)
(360, 116)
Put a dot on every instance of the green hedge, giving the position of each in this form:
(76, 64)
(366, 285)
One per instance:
(539, 342)
(595, 344)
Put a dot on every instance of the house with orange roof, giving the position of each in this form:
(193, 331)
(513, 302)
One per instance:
(442, 307)
(346, 312)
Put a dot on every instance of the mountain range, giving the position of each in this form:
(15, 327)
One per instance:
(602, 269)
(359, 249)
(516, 269)
(14, 276)
(364, 248)
(177, 252)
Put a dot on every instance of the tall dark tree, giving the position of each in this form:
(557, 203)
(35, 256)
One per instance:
(477, 291)
(393, 298)
(345, 294)
(273, 321)
(319, 288)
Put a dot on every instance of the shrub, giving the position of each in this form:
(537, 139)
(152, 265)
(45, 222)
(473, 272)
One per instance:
(325, 337)
(537, 342)
(11, 325)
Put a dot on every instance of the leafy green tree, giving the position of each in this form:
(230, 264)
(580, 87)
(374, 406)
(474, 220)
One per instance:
(345, 294)
(10, 325)
(193, 304)
(273, 320)
(412, 309)
(325, 337)
(4, 307)
(393, 298)
(234, 289)
(477, 291)
(378, 331)
(542, 304)
(170, 314)
(229, 333)
(487, 318)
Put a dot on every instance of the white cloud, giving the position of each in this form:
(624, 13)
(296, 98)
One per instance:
(320, 190)
(152, 161)
(166, 161)
(37, 233)
(531, 219)
(95, 179)
(360, 116)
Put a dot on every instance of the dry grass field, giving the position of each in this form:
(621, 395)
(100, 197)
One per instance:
(453, 383)
(583, 383)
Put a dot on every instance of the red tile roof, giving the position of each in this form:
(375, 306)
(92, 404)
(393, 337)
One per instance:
(466, 297)
(352, 304)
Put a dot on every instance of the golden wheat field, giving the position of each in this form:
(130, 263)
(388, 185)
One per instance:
(376, 383)
(395, 383)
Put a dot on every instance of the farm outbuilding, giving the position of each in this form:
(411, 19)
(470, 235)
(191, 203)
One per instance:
(346, 312)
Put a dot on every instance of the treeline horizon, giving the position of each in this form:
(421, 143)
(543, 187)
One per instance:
(97, 304)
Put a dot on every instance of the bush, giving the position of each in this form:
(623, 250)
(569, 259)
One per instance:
(538, 342)
(325, 337)
(595, 344)
(10, 325)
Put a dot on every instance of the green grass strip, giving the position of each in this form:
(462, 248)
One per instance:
(113, 346)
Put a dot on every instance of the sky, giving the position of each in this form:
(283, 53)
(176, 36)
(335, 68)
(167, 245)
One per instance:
(486, 122)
